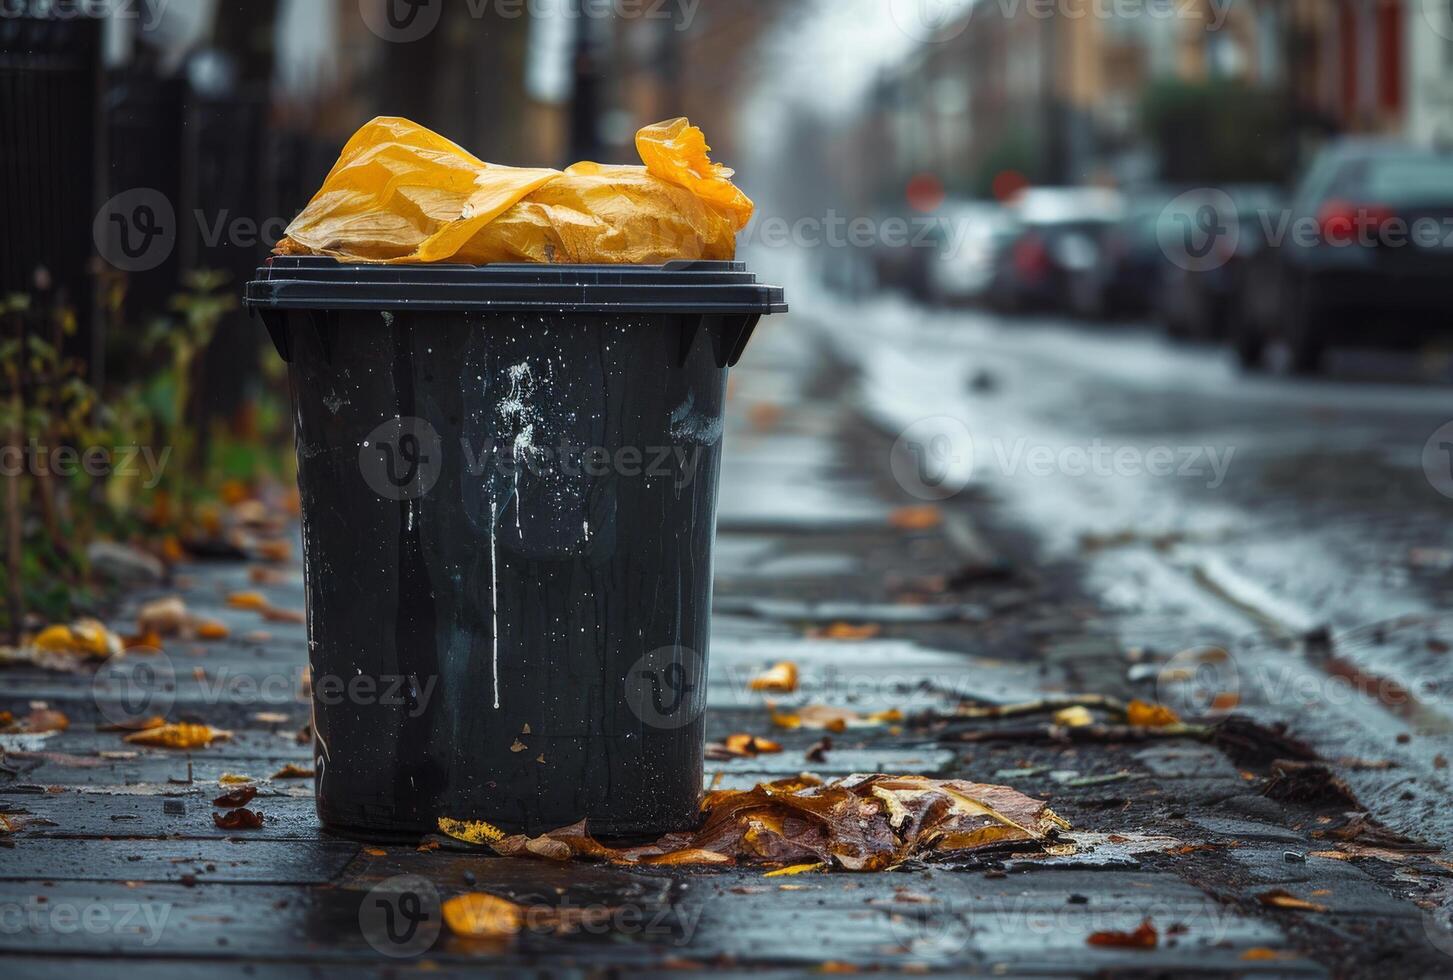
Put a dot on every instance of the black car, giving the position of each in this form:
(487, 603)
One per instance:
(1057, 234)
(1196, 301)
(1362, 257)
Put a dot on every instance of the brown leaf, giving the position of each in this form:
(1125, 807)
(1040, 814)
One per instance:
(275, 615)
(923, 517)
(294, 771)
(1143, 936)
(241, 796)
(179, 735)
(162, 617)
(242, 819)
(39, 720)
(210, 629)
(1280, 898)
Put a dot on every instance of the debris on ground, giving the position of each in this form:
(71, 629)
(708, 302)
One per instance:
(179, 735)
(858, 823)
(1143, 936)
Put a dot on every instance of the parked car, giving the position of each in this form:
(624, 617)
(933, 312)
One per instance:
(960, 265)
(1365, 259)
(1197, 303)
(1124, 279)
(1057, 232)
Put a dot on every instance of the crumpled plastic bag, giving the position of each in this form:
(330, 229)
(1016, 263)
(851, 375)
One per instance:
(401, 193)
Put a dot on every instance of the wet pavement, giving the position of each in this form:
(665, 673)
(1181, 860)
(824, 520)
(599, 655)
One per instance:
(1013, 589)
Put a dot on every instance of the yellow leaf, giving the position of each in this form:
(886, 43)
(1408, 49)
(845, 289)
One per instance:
(471, 831)
(247, 600)
(55, 639)
(179, 735)
(1077, 716)
(795, 869)
(780, 679)
(693, 855)
(1144, 714)
(233, 779)
(478, 916)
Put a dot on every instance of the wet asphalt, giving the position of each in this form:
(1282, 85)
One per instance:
(1020, 586)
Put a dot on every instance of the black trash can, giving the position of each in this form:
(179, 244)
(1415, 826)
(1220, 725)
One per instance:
(508, 478)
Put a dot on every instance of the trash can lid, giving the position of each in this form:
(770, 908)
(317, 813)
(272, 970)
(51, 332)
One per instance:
(314, 283)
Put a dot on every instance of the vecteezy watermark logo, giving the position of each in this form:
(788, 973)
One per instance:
(400, 21)
(1438, 459)
(929, 931)
(401, 459)
(934, 458)
(1200, 682)
(1198, 230)
(1439, 15)
(666, 688)
(401, 916)
(931, 21)
(139, 685)
(136, 230)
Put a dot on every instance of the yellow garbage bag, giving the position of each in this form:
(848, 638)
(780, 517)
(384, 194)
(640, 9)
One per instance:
(402, 193)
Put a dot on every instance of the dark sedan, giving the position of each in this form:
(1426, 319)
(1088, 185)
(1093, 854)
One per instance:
(1362, 257)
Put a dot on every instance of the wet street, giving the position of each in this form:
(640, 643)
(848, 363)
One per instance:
(1239, 842)
(1300, 524)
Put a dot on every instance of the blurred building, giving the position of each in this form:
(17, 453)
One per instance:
(1084, 92)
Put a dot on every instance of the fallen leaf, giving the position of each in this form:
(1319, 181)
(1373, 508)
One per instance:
(781, 678)
(232, 799)
(293, 771)
(377, 852)
(142, 642)
(85, 638)
(271, 717)
(162, 617)
(39, 720)
(479, 916)
(859, 823)
(1077, 716)
(750, 745)
(275, 615)
(1144, 714)
(179, 735)
(923, 517)
(471, 831)
(795, 869)
(848, 631)
(692, 855)
(233, 779)
(255, 601)
(518, 746)
(1282, 899)
(262, 575)
(1262, 954)
(1143, 936)
(277, 550)
(242, 819)
(210, 629)
(822, 717)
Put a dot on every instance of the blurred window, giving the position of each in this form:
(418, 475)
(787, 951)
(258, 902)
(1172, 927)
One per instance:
(1412, 180)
